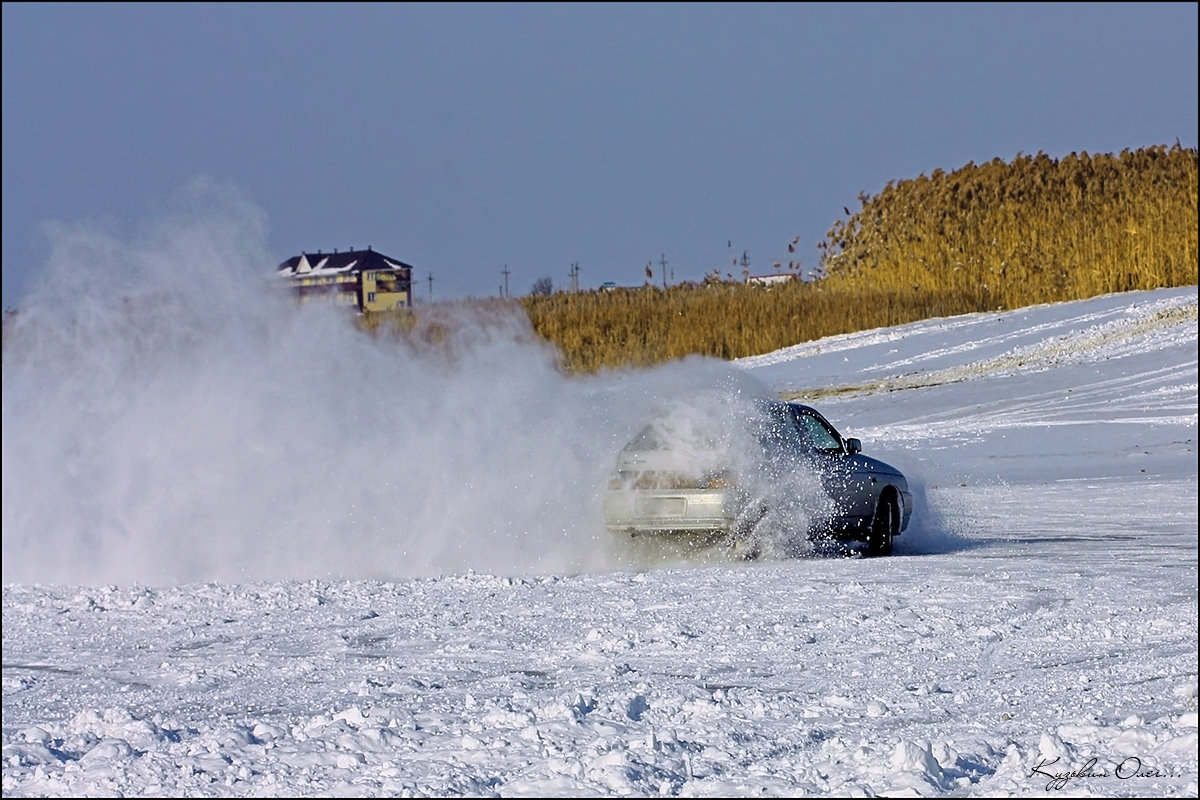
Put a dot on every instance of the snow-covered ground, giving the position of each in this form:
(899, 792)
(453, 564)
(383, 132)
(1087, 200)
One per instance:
(340, 569)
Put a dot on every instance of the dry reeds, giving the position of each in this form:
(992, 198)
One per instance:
(988, 237)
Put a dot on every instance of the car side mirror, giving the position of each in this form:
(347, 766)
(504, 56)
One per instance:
(853, 446)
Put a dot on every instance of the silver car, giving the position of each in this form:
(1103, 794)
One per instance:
(749, 482)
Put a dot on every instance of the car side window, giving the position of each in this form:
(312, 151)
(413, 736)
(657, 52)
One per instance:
(779, 431)
(817, 433)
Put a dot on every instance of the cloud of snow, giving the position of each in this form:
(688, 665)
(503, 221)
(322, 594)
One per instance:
(169, 417)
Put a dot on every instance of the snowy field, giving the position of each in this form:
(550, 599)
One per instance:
(267, 561)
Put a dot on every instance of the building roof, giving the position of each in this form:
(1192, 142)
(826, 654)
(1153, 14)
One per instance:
(348, 261)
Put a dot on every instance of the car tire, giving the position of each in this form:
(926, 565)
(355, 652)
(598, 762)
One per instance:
(884, 527)
(745, 549)
(744, 544)
(744, 539)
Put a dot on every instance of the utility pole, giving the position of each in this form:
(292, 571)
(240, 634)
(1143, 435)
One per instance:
(431, 287)
(574, 273)
(505, 273)
(662, 262)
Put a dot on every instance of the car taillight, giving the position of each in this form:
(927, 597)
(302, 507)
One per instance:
(663, 480)
(652, 479)
(718, 480)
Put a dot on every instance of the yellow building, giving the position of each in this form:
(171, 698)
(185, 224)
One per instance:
(361, 279)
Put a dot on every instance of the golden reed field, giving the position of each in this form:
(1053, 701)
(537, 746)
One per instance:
(984, 237)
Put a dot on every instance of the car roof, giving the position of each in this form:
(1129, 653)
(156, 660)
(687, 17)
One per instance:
(800, 406)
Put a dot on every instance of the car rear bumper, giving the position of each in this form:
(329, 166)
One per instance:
(712, 511)
(699, 510)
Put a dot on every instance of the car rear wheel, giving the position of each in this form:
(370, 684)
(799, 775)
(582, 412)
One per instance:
(884, 527)
(747, 549)
(744, 538)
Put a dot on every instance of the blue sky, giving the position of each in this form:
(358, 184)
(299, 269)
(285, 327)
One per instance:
(465, 138)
